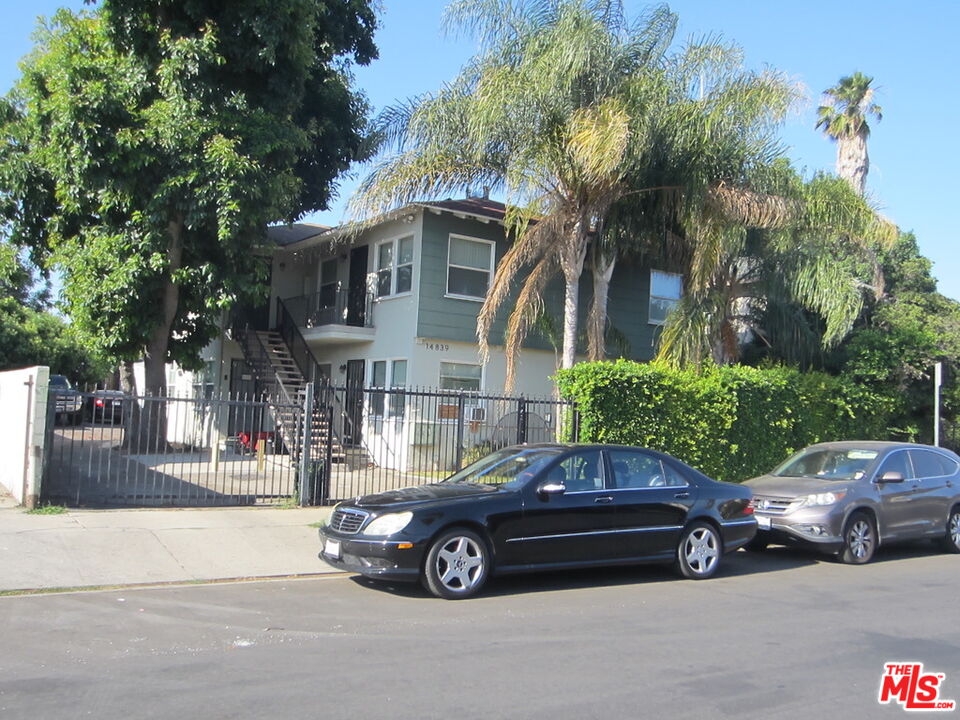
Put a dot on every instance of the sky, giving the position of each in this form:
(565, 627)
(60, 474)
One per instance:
(909, 48)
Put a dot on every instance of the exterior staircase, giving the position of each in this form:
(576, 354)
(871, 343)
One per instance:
(269, 358)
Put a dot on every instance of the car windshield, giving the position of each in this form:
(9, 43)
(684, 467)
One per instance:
(59, 382)
(828, 464)
(506, 468)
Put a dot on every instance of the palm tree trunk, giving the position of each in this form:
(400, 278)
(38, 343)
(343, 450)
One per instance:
(603, 264)
(853, 163)
(572, 266)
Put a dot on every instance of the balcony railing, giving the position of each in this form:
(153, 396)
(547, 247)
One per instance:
(350, 308)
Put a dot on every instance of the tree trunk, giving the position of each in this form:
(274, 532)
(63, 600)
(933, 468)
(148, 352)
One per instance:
(603, 264)
(572, 266)
(151, 428)
(853, 163)
(128, 381)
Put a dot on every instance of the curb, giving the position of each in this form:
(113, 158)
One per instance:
(169, 584)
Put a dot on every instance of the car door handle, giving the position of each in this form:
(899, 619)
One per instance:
(604, 499)
(682, 495)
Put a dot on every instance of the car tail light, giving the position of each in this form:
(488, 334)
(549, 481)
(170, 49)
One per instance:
(748, 510)
(98, 402)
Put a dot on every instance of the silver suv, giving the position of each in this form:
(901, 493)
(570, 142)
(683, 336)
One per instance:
(849, 497)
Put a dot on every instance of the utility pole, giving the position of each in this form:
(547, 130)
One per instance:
(937, 380)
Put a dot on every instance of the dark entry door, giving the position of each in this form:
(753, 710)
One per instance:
(353, 431)
(357, 287)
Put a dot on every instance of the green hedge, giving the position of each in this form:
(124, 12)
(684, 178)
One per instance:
(731, 423)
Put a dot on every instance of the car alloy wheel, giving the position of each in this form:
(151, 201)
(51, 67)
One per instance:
(951, 541)
(457, 564)
(698, 555)
(860, 540)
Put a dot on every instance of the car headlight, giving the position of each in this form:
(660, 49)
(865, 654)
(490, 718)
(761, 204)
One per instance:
(388, 524)
(820, 499)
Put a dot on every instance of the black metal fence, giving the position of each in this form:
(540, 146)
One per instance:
(382, 439)
(109, 449)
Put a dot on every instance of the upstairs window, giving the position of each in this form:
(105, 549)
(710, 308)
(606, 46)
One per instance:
(394, 267)
(665, 291)
(469, 267)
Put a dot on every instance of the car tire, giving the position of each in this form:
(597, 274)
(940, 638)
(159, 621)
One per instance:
(457, 564)
(951, 539)
(699, 551)
(758, 544)
(859, 540)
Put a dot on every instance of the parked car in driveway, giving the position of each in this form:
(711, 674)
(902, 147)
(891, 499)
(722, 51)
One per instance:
(848, 498)
(106, 406)
(542, 507)
(68, 403)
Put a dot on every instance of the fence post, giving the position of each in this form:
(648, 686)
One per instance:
(328, 460)
(521, 420)
(305, 489)
(460, 430)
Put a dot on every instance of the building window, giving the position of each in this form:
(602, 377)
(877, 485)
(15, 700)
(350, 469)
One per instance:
(394, 267)
(388, 374)
(469, 267)
(459, 376)
(203, 381)
(665, 291)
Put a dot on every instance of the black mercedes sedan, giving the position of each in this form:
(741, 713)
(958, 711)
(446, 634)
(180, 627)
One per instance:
(542, 507)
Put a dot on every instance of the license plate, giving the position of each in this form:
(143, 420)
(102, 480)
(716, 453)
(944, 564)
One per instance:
(332, 548)
(763, 522)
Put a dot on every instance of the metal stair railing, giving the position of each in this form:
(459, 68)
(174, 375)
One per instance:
(258, 358)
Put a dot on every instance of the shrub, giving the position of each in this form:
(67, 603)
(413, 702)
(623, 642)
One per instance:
(732, 423)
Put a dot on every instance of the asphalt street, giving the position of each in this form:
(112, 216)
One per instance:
(779, 635)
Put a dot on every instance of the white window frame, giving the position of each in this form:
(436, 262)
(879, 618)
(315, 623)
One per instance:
(387, 413)
(394, 265)
(493, 261)
(651, 296)
(483, 372)
(470, 404)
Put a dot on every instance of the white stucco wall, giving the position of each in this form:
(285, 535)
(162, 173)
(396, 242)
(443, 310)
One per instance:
(23, 397)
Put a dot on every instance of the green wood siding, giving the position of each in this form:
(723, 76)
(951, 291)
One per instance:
(445, 318)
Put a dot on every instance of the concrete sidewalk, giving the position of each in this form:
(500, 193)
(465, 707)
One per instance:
(84, 548)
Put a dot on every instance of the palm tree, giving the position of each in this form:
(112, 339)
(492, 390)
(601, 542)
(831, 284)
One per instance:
(782, 266)
(843, 118)
(715, 137)
(569, 110)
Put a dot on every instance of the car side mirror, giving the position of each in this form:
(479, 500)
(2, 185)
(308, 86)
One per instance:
(552, 488)
(891, 476)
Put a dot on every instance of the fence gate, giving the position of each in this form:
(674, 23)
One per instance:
(108, 449)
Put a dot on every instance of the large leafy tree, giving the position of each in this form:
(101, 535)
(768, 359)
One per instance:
(149, 143)
(894, 347)
(30, 334)
(568, 109)
(843, 118)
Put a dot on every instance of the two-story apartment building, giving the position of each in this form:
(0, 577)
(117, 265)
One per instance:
(396, 306)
